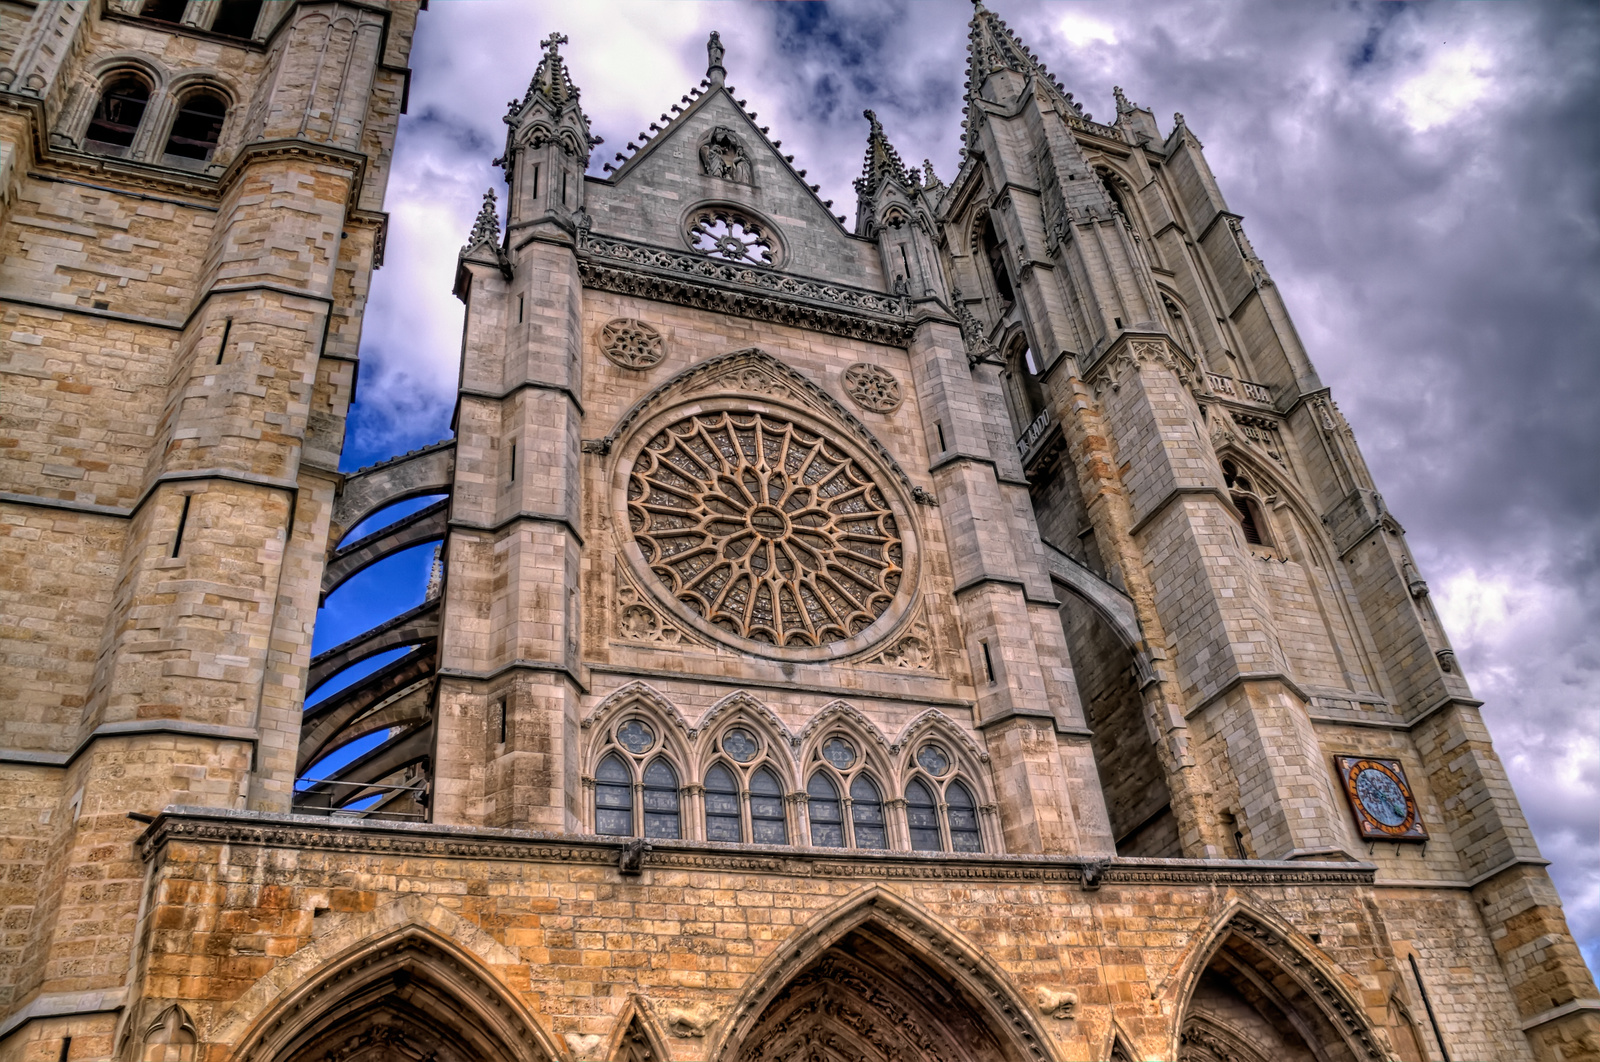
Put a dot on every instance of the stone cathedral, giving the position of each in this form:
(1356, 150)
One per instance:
(966, 632)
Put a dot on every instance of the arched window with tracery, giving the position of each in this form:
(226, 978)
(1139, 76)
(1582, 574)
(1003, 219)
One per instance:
(1257, 531)
(196, 129)
(840, 767)
(635, 784)
(661, 814)
(122, 106)
(613, 798)
(940, 810)
(743, 796)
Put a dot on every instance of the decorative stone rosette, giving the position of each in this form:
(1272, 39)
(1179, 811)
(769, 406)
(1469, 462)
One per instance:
(872, 387)
(765, 531)
(631, 344)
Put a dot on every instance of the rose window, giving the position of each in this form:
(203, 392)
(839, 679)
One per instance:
(764, 529)
(729, 234)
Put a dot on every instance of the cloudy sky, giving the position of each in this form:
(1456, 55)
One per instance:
(1422, 180)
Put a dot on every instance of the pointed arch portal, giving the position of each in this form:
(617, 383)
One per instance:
(878, 980)
(410, 998)
(1256, 999)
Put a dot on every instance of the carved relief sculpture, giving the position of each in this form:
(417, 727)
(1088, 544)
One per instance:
(630, 344)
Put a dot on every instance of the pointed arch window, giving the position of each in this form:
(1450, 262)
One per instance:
(196, 129)
(118, 114)
(948, 827)
(1245, 501)
(767, 822)
(635, 783)
(743, 794)
(661, 817)
(613, 798)
(866, 814)
(827, 813)
(855, 821)
(723, 821)
(922, 814)
(962, 811)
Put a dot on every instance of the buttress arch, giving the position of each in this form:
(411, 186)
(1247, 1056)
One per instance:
(877, 967)
(1255, 977)
(410, 991)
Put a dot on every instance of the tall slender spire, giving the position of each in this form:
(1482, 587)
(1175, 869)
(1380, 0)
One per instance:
(994, 52)
(882, 162)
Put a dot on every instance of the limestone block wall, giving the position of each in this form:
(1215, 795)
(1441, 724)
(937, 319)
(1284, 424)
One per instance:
(551, 926)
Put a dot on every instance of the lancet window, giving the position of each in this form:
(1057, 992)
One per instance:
(635, 785)
(1257, 532)
(940, 811)
(743, 796)
(844, 802)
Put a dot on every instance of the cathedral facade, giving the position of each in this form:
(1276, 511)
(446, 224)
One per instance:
(964, 632)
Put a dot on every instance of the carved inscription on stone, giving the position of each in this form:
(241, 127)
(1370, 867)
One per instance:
(631, 344)
(872, 387)
(764, 529)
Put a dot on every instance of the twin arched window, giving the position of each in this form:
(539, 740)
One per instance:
(124, 105)
(637, 793)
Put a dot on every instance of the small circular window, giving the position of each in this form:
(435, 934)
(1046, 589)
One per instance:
(840, 753)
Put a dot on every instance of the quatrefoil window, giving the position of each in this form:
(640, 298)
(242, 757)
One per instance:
(764, 529)
(725, 233)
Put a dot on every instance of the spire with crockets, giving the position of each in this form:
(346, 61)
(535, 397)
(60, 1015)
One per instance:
(999, 69)
(549, 111)
(882, 162)
(485, 229)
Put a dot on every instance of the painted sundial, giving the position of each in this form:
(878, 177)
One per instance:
(1381, 798)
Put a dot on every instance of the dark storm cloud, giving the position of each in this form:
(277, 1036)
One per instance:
(1422, 180)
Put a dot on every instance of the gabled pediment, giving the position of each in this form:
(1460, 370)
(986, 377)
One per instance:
(714, 155)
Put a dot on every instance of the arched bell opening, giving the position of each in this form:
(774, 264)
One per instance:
(408, 998)
(1248, 1006)
(870, 996)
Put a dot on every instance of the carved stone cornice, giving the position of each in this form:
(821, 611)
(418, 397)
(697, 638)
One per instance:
(741, 289)
(274, 830)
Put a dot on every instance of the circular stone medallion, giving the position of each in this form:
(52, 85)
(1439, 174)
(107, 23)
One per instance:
(765, 532)
(872, 387)
(631, 344)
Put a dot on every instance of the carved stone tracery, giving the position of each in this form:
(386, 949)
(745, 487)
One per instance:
(764, 529)
(630, 344)
(873, 387)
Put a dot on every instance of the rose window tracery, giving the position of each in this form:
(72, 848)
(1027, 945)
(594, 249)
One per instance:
(872, 387)
(765, 529)
(724, 233)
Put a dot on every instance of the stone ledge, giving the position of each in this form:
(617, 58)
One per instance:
(274, 829)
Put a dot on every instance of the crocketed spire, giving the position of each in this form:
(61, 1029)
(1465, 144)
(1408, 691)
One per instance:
(486, 229)
(992, 49)
(550, 77)
(882, 162)
(549, 111)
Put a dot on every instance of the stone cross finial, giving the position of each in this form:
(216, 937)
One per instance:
(552, 42)
(714, 52)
